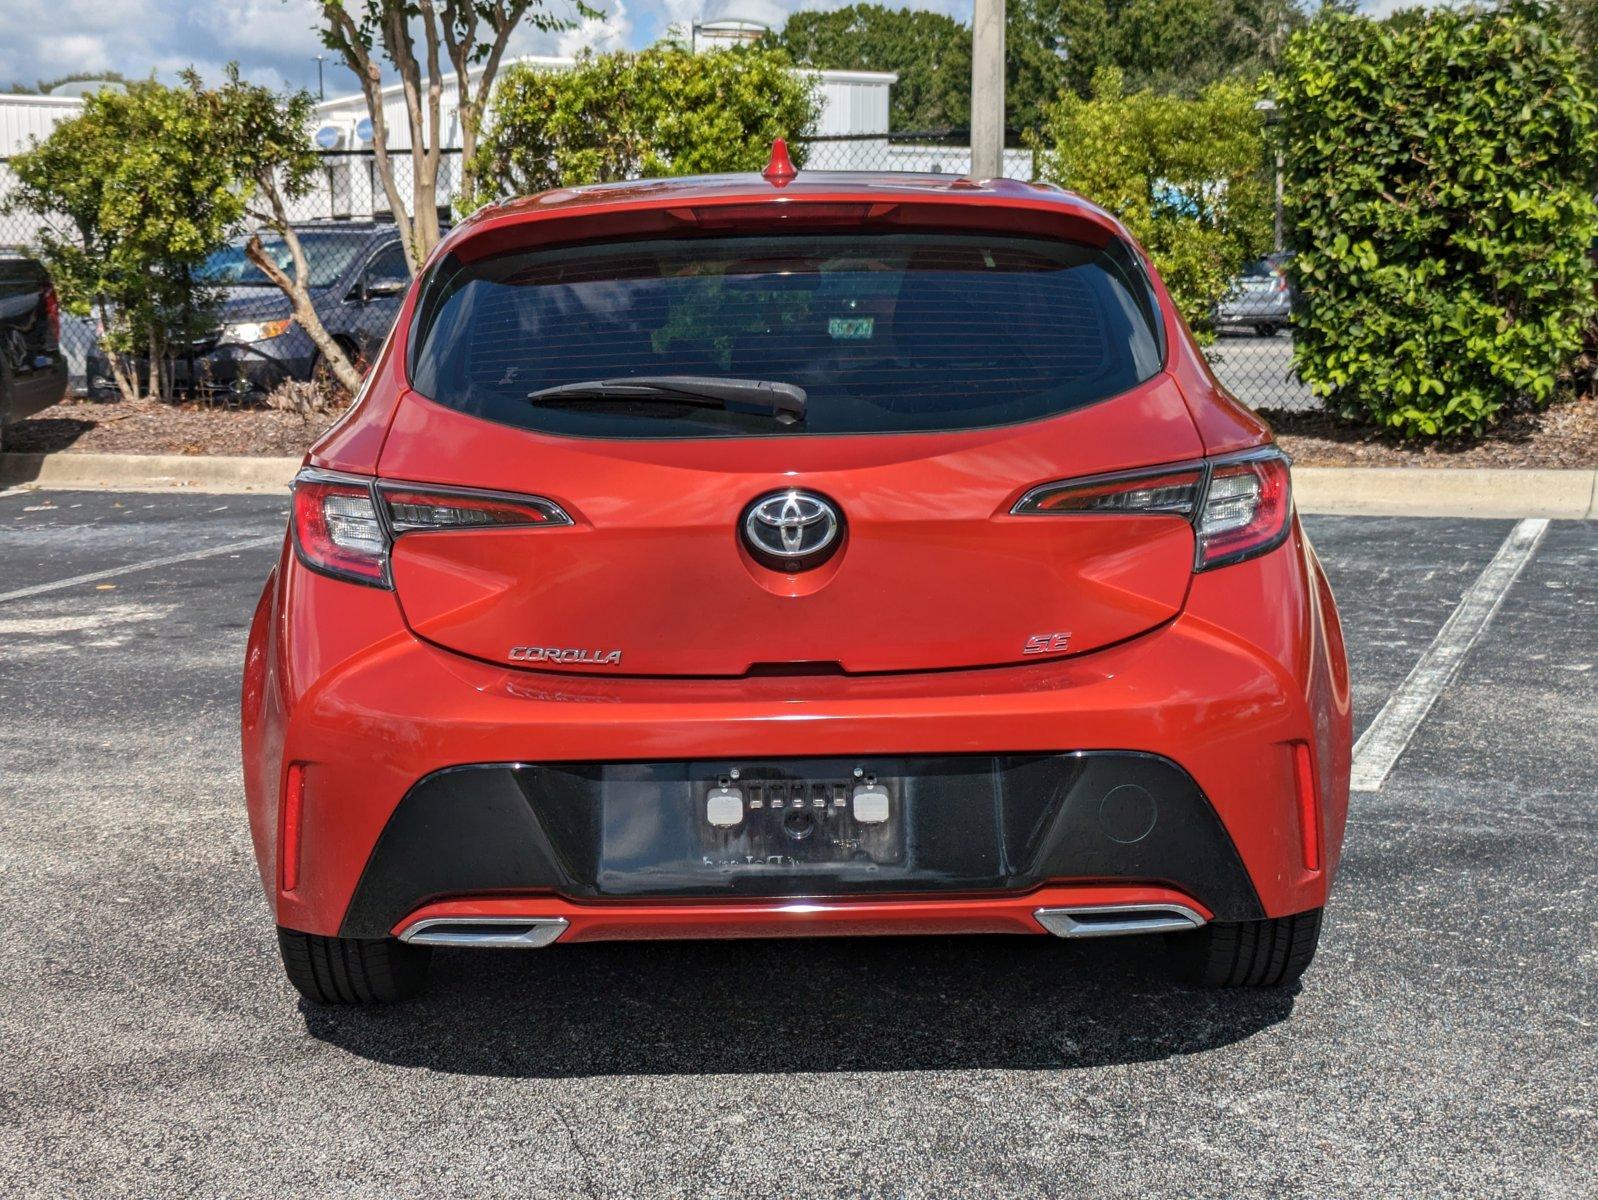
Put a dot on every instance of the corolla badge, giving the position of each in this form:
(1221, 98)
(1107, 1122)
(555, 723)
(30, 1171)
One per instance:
(565, 655)
(792, 530)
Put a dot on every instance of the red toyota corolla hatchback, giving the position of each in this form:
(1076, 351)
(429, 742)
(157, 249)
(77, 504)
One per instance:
(755, 556)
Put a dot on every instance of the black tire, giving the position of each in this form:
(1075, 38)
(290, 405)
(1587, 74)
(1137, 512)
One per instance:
(335, 970)
(1267, 330)
(1270, 953)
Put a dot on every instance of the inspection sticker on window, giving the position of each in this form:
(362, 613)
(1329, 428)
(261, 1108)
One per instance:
(851, 329)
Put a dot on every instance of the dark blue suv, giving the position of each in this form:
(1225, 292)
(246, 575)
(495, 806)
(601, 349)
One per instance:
(358, 277)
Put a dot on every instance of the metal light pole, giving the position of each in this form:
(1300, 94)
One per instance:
(1268, 107)
(321, 93)
(987, 90)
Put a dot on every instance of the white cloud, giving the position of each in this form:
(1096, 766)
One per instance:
(613, 31)
(275, 41)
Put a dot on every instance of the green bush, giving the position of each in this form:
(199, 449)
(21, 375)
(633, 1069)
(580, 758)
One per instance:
(1440, 187)
(661, 111)
(137, 198)
(1186, 177)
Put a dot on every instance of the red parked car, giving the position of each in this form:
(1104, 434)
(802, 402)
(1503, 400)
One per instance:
(754, 556)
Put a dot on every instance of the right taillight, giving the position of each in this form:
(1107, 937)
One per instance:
(1247, 503)
(1239, 504)
(345, 525)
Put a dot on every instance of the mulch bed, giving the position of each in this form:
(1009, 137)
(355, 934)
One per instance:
(1565, 435)
(144, 427)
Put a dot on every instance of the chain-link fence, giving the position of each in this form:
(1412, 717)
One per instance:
(358, 268)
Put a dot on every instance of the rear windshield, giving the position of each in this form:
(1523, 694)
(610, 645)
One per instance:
(885, 333)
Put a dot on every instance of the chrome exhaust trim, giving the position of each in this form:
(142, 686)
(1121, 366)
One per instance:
(509, 933)
(1110, 920)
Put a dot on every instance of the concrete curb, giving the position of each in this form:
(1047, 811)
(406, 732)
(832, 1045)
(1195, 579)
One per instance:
(1355, 491)
(1447, 492)
(147, 472)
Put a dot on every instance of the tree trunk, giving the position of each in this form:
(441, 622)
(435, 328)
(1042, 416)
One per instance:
(304, 311)
(127, 388)
(154, 389)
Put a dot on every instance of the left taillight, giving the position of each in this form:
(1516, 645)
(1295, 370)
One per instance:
(1240, 505)
(345, 525)
(337, 529)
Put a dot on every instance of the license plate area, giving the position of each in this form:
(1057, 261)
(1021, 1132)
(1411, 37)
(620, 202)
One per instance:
(760, 818)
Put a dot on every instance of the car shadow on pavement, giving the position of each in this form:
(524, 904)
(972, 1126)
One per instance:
(876, 1004)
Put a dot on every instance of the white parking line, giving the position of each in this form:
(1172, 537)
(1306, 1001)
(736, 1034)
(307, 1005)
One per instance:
(40, 589)
(1384, 740)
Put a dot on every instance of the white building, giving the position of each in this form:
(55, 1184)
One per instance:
(735, 23)
(853, 103)
(22, 119)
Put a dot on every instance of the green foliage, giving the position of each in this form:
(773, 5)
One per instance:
(1186, 177)
(143, 186)
(1440, 187)
(661, 111)
(1178, 46)
(259, 137)
(1579, 18)
(138, 199)
(930, 51)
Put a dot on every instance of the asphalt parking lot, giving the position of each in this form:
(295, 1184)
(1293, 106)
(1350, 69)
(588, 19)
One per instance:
(1442, 1045)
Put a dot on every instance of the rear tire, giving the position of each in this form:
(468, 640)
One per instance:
(1269, 953)
(335, 970)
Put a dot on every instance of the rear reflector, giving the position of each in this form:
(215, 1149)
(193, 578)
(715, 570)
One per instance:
(1309, 810)
(288, 844)
(345, 525)
(1240, 505)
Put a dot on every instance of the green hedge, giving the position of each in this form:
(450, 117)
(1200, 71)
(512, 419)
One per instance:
(1441, 168)
(625, 115)
(1186, 176)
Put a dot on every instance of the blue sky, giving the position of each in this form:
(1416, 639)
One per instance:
(274, 40)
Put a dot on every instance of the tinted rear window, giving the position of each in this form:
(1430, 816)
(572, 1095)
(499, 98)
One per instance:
(887, 333)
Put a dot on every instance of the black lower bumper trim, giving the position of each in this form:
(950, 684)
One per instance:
(956, 824)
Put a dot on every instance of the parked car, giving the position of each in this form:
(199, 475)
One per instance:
(1261, 298)
(33, 373)
(357, 275)
(751, 556)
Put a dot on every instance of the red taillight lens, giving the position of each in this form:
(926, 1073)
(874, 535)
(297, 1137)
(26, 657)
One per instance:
(337, 530)
(1247, 504)
(1172, 490)
(1239, 505)
(344, 525)
(52, 312)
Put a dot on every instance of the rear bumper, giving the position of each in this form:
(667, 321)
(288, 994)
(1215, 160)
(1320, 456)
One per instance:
(346, 714)
(964, 825)
(533, 921)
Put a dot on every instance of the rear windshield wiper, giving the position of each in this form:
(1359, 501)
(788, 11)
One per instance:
(784, 401)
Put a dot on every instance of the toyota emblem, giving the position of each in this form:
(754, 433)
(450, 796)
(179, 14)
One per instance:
(792, 530)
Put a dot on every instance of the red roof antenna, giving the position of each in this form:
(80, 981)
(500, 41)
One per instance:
(780, 170)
